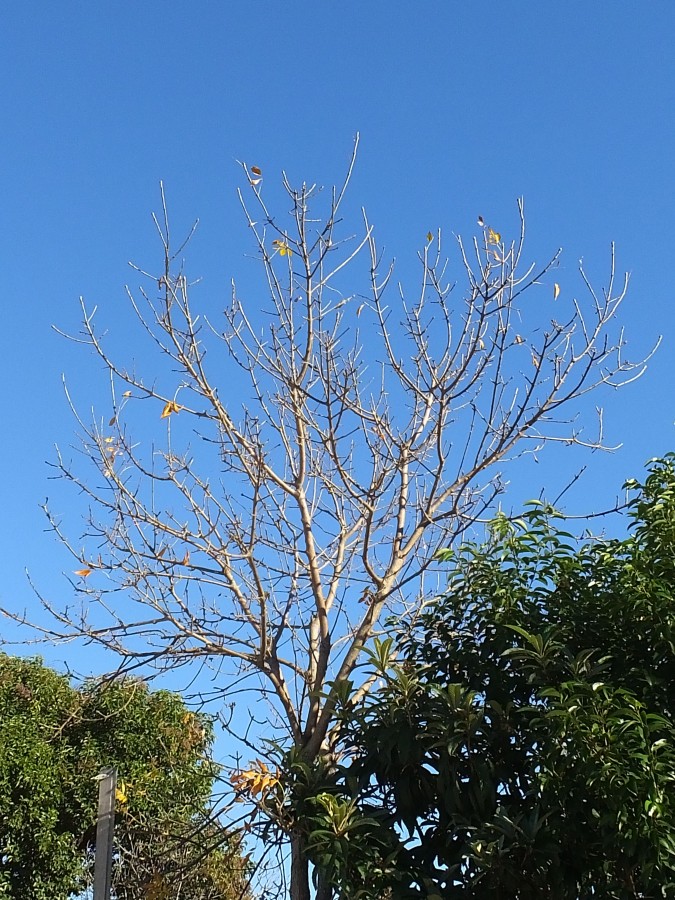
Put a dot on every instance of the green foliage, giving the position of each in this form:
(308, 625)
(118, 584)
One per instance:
(522, 742)
(54, 740)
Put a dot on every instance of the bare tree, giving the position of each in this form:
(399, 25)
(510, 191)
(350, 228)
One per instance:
(367, 433)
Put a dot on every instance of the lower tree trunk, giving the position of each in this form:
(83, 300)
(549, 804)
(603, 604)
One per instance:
(300, 873)
(324, 891)
(299, 868)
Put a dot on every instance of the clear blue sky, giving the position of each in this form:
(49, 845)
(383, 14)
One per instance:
(462, 107)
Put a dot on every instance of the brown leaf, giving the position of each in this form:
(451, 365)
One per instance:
(256, 170)
(170, 407)
(83, 573)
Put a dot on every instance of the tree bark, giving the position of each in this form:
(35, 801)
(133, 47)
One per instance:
(300, 873)
(324, 891)
(299, 868)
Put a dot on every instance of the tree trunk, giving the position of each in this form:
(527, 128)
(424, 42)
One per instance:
(324, 890)
(299, 868)
(300, 873)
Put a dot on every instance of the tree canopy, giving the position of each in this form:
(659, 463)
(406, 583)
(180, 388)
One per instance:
(261, 491)
(521, 741)
(54, 739)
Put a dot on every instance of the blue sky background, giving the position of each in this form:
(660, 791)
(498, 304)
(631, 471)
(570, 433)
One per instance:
(462, 107)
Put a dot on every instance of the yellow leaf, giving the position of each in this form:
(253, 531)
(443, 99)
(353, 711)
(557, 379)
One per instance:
(282, 247)
(556, 291)
(170, 407)
(494, 236)
(121, 793)
(83, 573)
(109, 440)
(256, 170)
(430, 236)
(255, 781)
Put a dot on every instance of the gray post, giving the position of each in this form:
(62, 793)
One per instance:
(105, 826)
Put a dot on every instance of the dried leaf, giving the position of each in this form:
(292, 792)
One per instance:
(157, 888)
(127, 394)
(256, 170)
(169, 408)
(430, 236)
(83, 573)
(556, 291)
(255, 181)
(481, 344)
(519, 339)
(113, 420)
(481, 222)
(186, 559)
(255, 781)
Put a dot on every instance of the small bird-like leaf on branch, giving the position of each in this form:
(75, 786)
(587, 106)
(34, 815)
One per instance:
(556, 291)
(169, 408)
(430, 236)
(282, 247)
(256, 170)
(481, 222)
(83, 573)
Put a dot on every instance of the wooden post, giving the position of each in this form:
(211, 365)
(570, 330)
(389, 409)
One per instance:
(105, 826)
